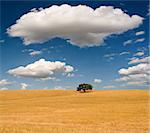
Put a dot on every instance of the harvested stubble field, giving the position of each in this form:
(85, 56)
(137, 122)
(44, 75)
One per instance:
(68, 111)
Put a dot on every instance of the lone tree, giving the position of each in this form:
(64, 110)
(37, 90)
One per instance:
(84, 87)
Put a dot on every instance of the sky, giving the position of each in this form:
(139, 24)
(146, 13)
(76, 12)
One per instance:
(60, 44)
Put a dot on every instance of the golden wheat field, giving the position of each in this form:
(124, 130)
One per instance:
(68, 111)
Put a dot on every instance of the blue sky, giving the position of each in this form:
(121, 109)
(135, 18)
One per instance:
(98, 65)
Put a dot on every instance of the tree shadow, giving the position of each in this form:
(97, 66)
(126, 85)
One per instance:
(89, 91)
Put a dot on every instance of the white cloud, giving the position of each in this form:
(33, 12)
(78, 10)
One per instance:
(131, 77)
(140, 40)
(109, 87)
(27, 50)
(137, 60)
(4, 88)
(24, 86)
(135, 79)
(139, 33)
(2, 41)
(74, 24)
(148, 13)
(45, 88)
(59, 88)
(138, 69)
(123, 53)
(139, 54)
(137, 75)
(41, 69)
(141, 48)
(49, 78)
(109, 55)
(127, 42)
(34, 53)
(97, 80)
(4, 82)
(70, 75)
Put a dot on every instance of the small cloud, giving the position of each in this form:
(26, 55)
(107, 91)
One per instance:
(24, 86)
(123, 53)
(4, 82)
(139, 54)
(4, 88)
(24, 50)
(2, 41)
(122, 4)
(139, 33)
(70, 75)
(45, 88)
(108, 47)
(80, 75)
(97, 80)
(30, 50)
(109, 87)
(44, 49)
(49, 78)
(137, 60)
(59, 88)
(142, 49)
(51, 47)
(127, 42)
(34, 53)
(110, 56)
(27, 50)
(64, 59)
(139, 40)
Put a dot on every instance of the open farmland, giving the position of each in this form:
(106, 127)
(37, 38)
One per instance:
(68, 111)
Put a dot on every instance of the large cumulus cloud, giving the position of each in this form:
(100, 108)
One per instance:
(80, 25)
(41, 69)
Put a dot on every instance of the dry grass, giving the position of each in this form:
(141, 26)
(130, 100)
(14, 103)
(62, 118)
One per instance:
(67, 111)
